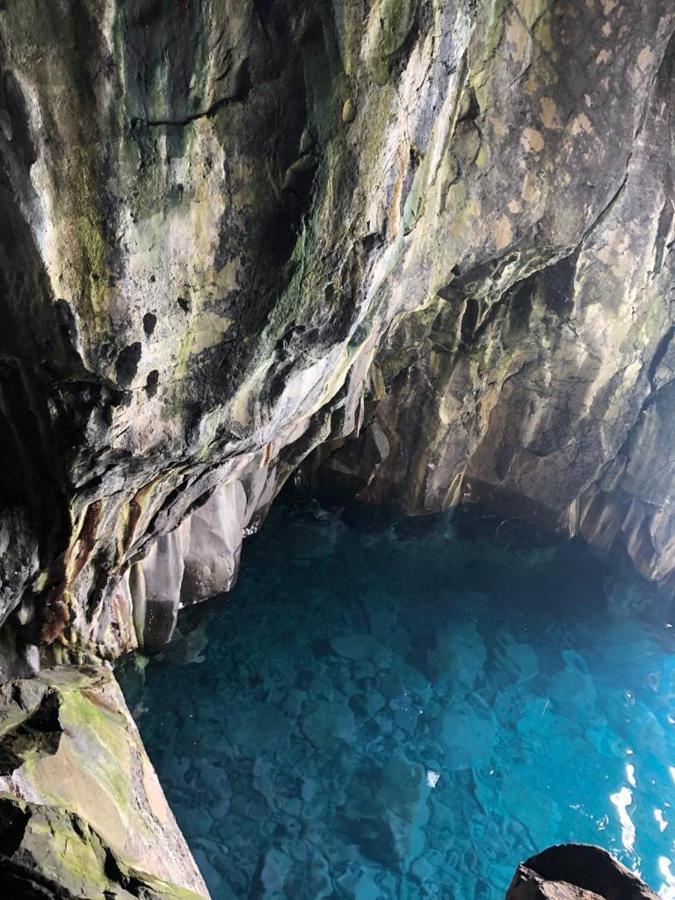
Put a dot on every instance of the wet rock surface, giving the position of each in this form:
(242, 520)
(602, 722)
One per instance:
(49, 853)
(81, 809)
(234, 233)
(576, 872)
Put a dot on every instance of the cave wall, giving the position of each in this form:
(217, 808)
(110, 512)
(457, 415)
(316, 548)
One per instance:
(547, 395)
(432, 239)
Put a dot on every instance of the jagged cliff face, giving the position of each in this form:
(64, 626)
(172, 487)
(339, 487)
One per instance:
(539, 378)
(432, 239)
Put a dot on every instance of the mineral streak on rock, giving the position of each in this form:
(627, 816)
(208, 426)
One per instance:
(432, 239)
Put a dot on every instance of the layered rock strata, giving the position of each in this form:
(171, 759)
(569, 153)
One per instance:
(431, 238)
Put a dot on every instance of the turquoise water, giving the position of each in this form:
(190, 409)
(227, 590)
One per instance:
(408, 708)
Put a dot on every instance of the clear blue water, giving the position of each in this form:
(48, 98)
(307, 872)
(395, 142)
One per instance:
(407, 709)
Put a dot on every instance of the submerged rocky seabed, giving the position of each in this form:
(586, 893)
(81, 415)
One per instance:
(408, 708)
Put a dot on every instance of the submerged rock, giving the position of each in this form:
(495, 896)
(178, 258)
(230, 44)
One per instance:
(81, 809)
(385, 813)
(576, 872)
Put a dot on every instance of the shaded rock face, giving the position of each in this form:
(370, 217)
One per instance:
(576, 872)
(539, 378)
(81, 809)
(430, 238)
(48, 853)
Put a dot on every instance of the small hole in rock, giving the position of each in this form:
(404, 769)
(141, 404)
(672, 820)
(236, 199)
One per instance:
(151, 383)
(149, 322)
(127, 364)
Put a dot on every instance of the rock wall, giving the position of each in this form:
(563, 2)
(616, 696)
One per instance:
(238, 231)
(539, 378)
(82, 813)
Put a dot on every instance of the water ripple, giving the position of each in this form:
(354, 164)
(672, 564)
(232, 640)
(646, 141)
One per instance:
(384, 712)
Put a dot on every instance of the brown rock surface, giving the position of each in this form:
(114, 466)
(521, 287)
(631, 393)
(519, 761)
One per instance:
(576, 872)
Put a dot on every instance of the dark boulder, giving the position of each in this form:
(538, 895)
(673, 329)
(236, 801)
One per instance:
(576, 872)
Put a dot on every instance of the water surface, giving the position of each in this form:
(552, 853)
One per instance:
(408, 708)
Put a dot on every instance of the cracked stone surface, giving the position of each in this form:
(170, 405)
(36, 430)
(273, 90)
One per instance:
(82, 813)
(431, 239)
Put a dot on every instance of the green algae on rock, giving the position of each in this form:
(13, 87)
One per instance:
(49, 853)
(80, 804)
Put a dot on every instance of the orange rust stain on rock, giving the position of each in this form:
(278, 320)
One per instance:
(56, 620)
(134, 512)
(85, 541)
(549, 113)
(531, 86)
(581, 123)
(530, 192)
(645, 59)
(502, 233)
(532, 140)
(57, 614)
